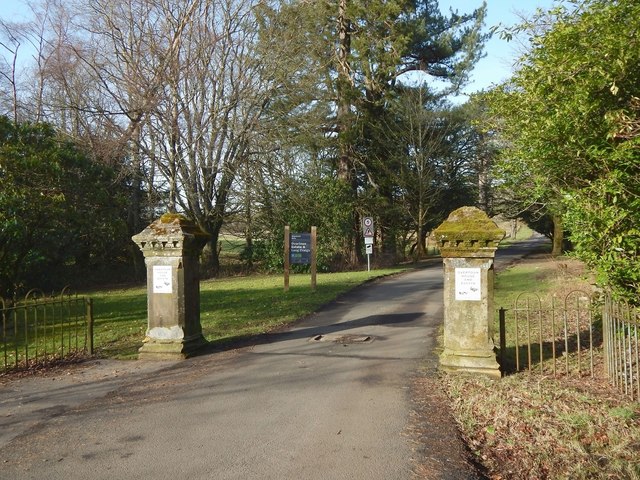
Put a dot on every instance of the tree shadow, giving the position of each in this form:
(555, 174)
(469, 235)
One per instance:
(538, 356)
(292, 333)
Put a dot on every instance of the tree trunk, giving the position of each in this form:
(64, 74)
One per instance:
(421, 242)
(351, 243)
(134, 220)
(420, 231)
(484, 185)
(210, 259)
(212, 224)
(248, 218)
(558, 236)
(344, 105)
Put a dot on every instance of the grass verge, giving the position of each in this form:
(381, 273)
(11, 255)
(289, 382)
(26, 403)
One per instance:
(523, 232)
(231, 308)
(530, 425)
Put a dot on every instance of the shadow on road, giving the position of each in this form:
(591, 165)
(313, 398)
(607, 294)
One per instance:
(393, 320)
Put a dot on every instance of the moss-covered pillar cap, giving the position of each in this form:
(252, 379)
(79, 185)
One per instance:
(468, 232)
(171, 235)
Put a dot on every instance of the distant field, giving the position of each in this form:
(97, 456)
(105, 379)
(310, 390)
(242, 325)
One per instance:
(231, 245)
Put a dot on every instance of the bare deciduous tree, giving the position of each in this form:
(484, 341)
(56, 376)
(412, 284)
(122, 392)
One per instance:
(173, 89)
(10, 44)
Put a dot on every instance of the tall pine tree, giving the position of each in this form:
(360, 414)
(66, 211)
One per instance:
(365, 50)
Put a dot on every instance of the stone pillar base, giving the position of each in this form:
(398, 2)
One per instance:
(171, 350)
(483, 363)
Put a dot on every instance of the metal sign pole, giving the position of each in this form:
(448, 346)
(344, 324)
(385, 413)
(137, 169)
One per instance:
(287, 256)
(367, 231)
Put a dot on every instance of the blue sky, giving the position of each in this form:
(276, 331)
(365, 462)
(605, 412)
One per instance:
(492, 69)
(13, 9)
(500, 54)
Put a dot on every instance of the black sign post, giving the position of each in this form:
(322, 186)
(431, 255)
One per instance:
(300, 249)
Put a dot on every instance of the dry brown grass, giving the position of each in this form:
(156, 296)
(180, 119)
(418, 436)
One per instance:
(529, 426)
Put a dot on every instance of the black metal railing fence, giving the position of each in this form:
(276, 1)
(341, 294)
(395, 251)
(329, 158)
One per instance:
(566, 336)
(620, 323)
(40, 329)
(556, 337)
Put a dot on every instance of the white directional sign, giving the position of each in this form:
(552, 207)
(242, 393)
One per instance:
(367, 227)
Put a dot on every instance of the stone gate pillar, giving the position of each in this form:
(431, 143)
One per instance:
(171, 246)
(468, 240)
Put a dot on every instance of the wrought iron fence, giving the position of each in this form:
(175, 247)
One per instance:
(620, 325)
(563, 337)
(555, 338)
(39, 329)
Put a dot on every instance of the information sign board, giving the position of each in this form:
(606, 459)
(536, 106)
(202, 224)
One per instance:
(300, 248)
(467, 284)
(162, 279)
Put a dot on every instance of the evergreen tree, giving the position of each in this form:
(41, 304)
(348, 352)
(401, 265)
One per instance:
(361, 51)
(61, 214)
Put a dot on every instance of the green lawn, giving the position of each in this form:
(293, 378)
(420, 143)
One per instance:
(231, 308)
(523, 233)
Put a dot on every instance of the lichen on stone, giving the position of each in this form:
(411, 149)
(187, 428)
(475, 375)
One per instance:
(468, 224)
(172, 231)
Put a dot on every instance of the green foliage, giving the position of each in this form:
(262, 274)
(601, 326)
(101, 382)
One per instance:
(314, 201)
(604, 222)
(59, 215)
(393, 174)
(569, 122)
(393, 37)
(430, 163)
(346, 62)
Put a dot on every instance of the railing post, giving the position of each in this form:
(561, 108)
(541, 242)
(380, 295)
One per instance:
(503, 339)
(90, 324)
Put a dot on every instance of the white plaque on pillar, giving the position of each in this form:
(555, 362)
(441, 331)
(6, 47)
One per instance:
(468, 284)
(162, 279)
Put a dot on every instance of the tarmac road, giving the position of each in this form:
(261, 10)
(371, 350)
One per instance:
(328, 399)
(514, 252)
(303, 404)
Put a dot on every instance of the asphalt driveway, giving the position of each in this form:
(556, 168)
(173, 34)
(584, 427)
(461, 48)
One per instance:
(349, 392)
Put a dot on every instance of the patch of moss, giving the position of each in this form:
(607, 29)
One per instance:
(174, 218)
(467, 224)
(177, 219)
